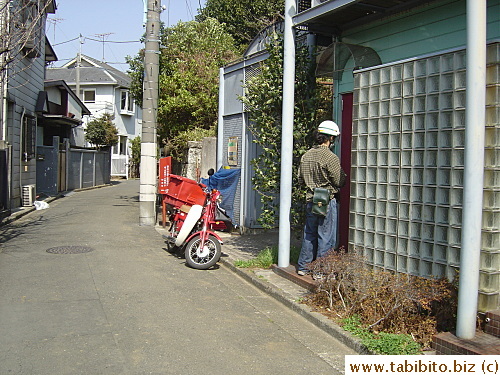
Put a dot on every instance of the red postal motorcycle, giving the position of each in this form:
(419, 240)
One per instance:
(194, 215)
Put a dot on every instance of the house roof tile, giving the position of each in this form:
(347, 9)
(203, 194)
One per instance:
(91, 72)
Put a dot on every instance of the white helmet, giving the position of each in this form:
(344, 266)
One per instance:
(329, 127)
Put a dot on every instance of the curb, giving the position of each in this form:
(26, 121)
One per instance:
(315, 318)
(26, 210)
(92, 187)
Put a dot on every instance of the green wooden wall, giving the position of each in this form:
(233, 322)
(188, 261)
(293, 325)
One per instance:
(424, 30)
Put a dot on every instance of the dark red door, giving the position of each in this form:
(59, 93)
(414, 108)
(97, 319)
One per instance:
(345, 162)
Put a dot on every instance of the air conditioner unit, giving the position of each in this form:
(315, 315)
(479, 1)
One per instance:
(30, 50)
(28, 195)
(29, 44)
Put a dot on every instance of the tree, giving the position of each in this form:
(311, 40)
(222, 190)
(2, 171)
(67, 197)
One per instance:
(263, 100)
(22, 23)
(244, 19)
(21, 29)
(135, 160)
(102, 131)
(189, 75)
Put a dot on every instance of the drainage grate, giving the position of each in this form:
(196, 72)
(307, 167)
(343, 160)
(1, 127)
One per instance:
(70, 250)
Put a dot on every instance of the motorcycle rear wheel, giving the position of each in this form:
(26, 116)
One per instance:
(205, 258)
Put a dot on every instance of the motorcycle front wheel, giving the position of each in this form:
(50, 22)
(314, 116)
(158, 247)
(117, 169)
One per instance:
(202, 258)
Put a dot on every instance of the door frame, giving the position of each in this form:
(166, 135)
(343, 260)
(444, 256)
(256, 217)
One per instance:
(345, 163)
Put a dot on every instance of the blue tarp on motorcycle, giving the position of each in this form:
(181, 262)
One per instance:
(226, 181)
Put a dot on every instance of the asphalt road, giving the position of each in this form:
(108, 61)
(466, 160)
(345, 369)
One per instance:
(129, 307)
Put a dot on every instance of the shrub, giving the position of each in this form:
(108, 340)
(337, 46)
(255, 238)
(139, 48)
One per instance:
(102, 131)
(382, 343)
(263, 100)
(178, 145)
(384, 301)
(267, 257)
(135, 159)
(392, 344)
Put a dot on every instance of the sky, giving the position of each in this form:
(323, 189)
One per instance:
(118, 22)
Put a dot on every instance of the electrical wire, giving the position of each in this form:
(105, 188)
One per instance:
(71, 40)
(113, 41)
(168, 13)
(100, 41)
(96, 40)
(188, 7)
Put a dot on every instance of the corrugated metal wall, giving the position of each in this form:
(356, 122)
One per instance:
(88, 168)
(233, 126)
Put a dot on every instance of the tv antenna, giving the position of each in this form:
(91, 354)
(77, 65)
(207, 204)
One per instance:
(54, 21)
(103, 40)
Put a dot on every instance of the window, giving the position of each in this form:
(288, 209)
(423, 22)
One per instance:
(130, 104)
(126, 102)
(123, 145)
(120, 148)
(29, 138)
(89, 96)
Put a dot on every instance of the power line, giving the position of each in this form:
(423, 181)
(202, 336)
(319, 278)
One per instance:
(168, 12)
(67, 41)
(97, 40)
(114, 41)
(188, 7)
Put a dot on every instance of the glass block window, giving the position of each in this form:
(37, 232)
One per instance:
(408, 161)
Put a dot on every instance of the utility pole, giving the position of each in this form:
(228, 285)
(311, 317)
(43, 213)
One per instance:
(149, 115)
(78, 64)
(475, 104)
(287, 135)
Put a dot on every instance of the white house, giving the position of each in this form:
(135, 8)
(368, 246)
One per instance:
(104, 89)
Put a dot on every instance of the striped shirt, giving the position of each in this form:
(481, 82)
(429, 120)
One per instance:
(319, 167)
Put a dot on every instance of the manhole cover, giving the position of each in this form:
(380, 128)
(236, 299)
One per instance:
(70, 250)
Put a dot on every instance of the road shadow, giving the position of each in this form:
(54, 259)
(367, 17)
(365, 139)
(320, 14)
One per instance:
(253, 244)
(179, 254)
(15, 229)
(131, 199)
